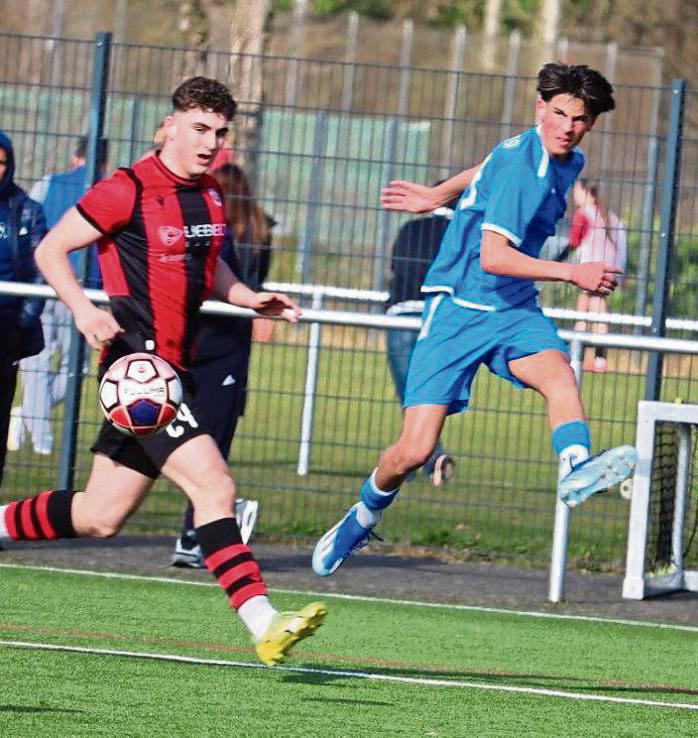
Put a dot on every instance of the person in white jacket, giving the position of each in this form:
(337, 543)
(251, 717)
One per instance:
(597, 234)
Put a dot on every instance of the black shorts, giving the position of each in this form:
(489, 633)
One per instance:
(220, 387)
(147, 454)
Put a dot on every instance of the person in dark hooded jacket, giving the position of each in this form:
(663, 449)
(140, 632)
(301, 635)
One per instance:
(22, 226)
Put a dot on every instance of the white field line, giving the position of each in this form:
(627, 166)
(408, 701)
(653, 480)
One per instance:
(363, 598)
(369, 676)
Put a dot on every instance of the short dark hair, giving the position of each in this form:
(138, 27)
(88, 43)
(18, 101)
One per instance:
(81, 149)
(206, 94)
(579, 81)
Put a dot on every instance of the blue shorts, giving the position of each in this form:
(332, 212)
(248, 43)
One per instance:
(455, 340)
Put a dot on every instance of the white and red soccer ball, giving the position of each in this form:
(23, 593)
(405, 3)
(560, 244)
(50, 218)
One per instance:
(140, 394)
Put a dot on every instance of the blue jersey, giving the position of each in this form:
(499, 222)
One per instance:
(519, 192)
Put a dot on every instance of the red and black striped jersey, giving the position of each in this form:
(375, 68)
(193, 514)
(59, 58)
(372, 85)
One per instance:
(162, 237)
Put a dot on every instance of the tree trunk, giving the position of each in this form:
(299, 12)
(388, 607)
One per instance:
(549, 27)
(194, 24)
(248, 42)
(493, 16)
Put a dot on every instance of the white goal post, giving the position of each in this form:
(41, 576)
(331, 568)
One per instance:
(662, 534)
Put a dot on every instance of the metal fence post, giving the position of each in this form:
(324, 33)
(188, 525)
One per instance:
(76, 357)
(558, 558)
(651, 170)
(510, 82)
(403, 94)
(455, 68)
(133, 121)
(670, 191)
(382, 236)
(305, 252)
(349, 67)
(310, 385)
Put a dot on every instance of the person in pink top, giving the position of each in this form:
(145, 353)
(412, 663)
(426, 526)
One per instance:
(597, 234)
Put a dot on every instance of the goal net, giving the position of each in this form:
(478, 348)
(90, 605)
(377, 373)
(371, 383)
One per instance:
(663, 532)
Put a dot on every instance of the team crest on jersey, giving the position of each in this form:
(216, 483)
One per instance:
(169, 235)
(215, 197)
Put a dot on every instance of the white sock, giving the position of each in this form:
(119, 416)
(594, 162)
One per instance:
(366, 517)
(4, 535)
(256, 614)
(570, 457)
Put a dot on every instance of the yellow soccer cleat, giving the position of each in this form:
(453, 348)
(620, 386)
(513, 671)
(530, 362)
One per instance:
(286, 629)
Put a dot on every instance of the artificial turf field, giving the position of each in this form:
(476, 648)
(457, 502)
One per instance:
(84, 654)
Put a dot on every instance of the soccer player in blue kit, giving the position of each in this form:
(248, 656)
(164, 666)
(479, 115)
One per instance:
(481, 306)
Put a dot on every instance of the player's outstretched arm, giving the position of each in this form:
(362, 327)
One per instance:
(71, 233)
(498, 256)
(416, 198)
(228, 287)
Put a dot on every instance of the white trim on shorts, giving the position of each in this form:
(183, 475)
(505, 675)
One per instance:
(426, 325)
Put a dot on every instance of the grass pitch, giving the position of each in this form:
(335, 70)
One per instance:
(89, 655)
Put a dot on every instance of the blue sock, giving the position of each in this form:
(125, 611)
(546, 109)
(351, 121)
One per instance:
(373, 501)
(572, 442)
(374, 498)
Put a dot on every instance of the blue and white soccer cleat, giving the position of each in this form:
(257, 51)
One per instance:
(597, 474)
(339, 543)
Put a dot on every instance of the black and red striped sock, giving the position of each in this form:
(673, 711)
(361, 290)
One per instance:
(230, 561)
(44, 517)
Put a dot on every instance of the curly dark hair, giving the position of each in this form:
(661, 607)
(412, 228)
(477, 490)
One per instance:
(579, 81)
(204, 93)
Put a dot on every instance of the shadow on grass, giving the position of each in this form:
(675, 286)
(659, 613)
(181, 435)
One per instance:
(31, 710)
(373, 703)
(531, 681)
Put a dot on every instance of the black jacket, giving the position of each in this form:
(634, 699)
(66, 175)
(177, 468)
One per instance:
(414, 249)
(221, 335)
(21, 316)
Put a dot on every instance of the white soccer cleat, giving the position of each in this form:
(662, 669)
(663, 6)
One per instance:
(187, 554)
(246, 516)
(597, 474)
(444, 470)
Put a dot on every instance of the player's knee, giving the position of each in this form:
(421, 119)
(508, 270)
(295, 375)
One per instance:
(561, 385)
(216, 487)
(411, 456)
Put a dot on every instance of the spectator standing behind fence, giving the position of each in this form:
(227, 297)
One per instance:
(22, 226)
(413, 251)
(596, 234)
(221, 365)
(44, 387)
(161, 226)
(482, 307)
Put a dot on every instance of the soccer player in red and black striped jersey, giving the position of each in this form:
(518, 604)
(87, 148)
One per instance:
(160, 227)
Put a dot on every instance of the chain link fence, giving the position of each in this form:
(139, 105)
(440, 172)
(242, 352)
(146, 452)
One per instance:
(318, 163)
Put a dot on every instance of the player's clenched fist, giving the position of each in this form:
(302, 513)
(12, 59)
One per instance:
(596, 276)
(98, 326)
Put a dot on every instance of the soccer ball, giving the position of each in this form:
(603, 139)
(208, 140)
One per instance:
(140, 394)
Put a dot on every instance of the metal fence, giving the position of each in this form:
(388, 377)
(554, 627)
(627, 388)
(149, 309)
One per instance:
(318, 167)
